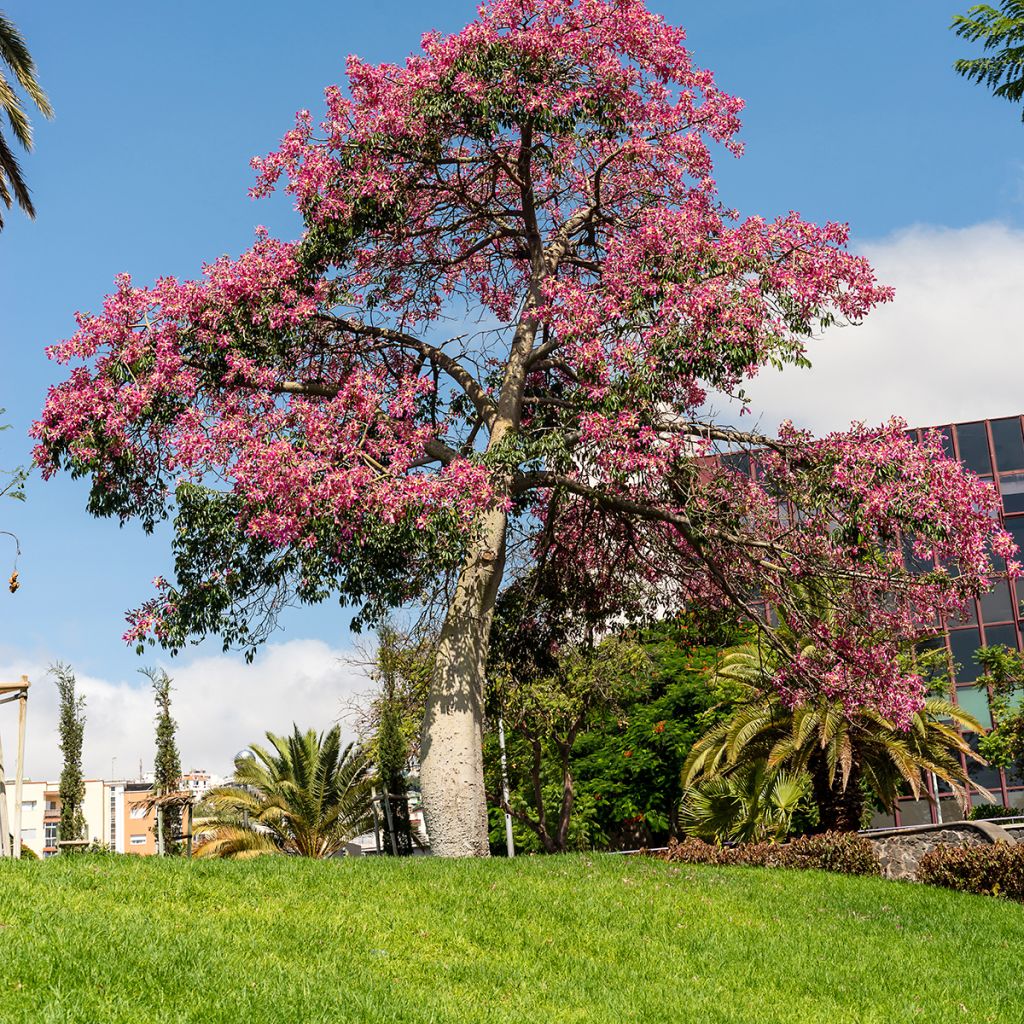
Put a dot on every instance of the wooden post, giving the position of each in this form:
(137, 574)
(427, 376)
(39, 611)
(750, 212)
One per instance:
(5, 849)
(19, 771)
(189, 841)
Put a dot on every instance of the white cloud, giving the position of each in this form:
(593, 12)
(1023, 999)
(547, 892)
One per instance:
(221, 704)
(950, 347)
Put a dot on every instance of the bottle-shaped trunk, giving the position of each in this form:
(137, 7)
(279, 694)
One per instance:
(451, 748)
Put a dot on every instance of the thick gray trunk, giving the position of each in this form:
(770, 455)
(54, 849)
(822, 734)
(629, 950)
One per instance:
(451, 749)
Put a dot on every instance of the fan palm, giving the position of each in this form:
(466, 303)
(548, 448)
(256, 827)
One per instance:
(14, 54)
(838, 749)
(751, 805)
(303, 795)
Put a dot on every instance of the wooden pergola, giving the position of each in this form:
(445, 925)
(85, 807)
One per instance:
(10, 832)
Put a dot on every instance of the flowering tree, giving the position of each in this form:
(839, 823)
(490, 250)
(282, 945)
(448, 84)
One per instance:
(515, 289)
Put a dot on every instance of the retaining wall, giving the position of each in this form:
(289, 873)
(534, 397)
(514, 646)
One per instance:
(901, 849)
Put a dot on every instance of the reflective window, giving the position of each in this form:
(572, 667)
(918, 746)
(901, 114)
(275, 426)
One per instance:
(964, 642)
(915, 812)
(1001, 635)
(997, 605)
(1008, 444)
(974, 447)
(975, 702)
(1012, 489)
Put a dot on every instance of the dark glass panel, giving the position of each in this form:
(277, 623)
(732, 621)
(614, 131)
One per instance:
(968, 617)
(1004, 635)
(997, 605)
(964, 642)
(973, 443)
(947, 441)
(1012, 489)
(1008, 443)
(983, 774)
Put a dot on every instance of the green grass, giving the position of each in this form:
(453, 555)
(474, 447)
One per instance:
(602, 939)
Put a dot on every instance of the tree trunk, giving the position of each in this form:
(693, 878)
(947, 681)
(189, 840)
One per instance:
(839, 809)
(451, 748)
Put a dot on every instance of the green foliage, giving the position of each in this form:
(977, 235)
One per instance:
(1001, 30)
(626, 760)
(71, 727)
(303, 795)
(846, 756)
(990, 870)
(752, 805)
(15, 55)
(845, 853)
(1003, 682)
(166, 762)
(391, 747)
(232, 584)
(984, 812)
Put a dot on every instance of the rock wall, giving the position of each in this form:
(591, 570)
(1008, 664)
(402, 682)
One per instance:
(900, 850)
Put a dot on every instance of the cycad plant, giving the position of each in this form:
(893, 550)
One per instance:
(303, 795)
(838, 750)
(15, 56)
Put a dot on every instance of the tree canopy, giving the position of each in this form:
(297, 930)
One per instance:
(1000, 30)
(515, 291)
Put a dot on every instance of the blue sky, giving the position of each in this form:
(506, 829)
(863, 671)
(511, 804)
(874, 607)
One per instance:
(853, 113)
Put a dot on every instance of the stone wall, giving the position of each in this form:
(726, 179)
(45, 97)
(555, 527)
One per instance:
(901, 849)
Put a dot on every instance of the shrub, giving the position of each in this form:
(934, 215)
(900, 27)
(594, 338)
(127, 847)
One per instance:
(843, 852)
(990, 870)
(984, 811)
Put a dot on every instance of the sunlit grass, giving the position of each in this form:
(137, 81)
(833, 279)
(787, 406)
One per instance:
(597, 938)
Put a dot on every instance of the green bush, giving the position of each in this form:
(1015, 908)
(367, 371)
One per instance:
(990, 870)
(845, 853)
(982, 812)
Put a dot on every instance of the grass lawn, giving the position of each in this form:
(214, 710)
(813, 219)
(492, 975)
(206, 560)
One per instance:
(598, 938)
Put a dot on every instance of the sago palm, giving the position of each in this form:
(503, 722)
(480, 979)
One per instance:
(838, 749)
(304, 795)
(15, 56)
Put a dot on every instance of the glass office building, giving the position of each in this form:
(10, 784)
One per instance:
(994, 449)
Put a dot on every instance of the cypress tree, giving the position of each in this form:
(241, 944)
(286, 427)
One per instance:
(167, 762)
(72, 729)
(392, 749)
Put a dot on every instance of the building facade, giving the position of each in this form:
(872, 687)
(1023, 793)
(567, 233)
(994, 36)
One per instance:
(994, 450)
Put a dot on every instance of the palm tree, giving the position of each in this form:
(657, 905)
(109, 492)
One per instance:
(305, 795)
(14, 54)
(751, 805)
(837, 749)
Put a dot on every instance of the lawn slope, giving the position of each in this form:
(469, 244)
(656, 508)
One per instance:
(556, 939)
